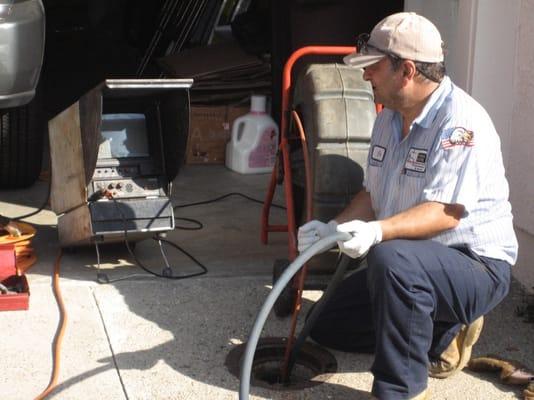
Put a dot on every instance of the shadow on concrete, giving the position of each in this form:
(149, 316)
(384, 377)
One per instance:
(208, 317)
(203, 329)
(187, 328)
(216, 322)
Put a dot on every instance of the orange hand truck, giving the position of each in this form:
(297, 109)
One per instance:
(286, 117)
(282, 170)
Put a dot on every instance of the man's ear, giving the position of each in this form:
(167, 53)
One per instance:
(408, 69)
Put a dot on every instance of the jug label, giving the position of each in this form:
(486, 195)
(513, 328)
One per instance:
(264, 154)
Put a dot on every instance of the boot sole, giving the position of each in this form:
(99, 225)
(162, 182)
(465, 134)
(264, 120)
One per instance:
(468, 337)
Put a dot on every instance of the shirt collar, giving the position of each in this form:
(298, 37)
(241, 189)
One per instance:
(434, 102)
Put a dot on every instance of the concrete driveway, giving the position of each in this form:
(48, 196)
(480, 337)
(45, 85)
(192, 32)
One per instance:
(141, 337)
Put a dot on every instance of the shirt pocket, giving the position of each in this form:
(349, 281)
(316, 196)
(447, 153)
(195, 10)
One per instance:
(373, 173)
(375, 163)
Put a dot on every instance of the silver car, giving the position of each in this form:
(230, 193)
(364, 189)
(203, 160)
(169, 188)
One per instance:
(22, 127)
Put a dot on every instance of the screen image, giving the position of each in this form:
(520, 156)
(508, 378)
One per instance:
(123, 136)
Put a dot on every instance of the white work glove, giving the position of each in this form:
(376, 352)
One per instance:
(314, 231)
(364, 236)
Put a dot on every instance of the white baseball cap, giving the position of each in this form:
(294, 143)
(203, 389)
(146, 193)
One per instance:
(406, 35)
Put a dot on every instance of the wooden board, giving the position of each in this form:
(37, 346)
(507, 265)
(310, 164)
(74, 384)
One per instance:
(74, 228)
(68, 188)
(90, 124)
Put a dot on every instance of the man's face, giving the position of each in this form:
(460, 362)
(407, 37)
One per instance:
(386, 82)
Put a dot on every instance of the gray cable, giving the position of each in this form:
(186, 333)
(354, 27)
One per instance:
(341, 267)
(248, 357)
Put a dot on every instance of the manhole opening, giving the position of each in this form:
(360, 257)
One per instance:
(314, 365)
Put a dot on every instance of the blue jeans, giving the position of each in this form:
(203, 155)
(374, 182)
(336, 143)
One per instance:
(407, 306)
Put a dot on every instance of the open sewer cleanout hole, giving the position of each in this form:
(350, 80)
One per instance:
(314, 365)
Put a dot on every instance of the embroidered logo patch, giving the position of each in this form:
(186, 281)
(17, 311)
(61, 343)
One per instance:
(416, 160)
(458, 136)
(378, 153)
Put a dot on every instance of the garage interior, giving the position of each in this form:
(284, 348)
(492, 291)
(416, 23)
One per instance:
(133, 335)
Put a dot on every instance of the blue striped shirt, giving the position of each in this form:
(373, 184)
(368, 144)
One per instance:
(452, 155)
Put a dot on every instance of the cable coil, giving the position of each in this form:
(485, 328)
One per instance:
(25, 256)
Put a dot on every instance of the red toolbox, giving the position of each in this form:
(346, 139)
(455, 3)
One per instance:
(18, 296)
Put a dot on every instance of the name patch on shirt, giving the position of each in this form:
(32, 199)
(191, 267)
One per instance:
(378, 153)
(458, 136)
(416, 160)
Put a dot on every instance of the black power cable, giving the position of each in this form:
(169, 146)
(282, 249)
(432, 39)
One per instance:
(168, 275)
(198, 203)
(102, 278)
(189, 228)
(41, 207)
(47, 197)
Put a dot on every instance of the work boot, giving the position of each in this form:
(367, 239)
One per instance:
(529, 391)
(457, 355)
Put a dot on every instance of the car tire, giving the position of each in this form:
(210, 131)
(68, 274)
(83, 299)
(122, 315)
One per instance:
(22, 131)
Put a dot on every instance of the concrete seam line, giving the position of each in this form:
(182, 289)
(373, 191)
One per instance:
(110, 345)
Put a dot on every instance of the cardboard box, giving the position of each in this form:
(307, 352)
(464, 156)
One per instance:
(209, 131)
(12, 279)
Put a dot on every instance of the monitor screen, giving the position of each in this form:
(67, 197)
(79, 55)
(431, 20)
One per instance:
(123, 136)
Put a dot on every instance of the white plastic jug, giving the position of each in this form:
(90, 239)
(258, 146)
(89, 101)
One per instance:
(254, 141)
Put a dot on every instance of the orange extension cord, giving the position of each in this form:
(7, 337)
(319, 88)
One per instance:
(25, 258)
(58, 339)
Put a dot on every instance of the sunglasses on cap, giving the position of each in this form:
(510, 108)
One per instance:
(363, 46)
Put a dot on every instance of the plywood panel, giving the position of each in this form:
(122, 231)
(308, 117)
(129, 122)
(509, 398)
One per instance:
(68, 189)
(90, 123)
(75, 227)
